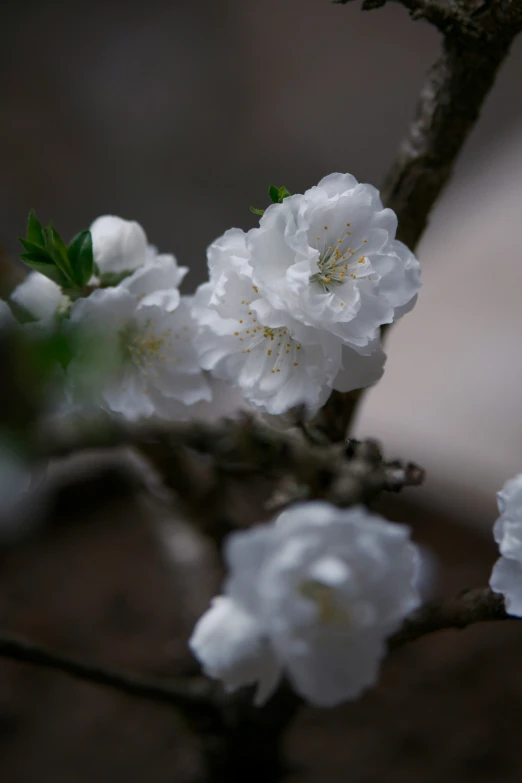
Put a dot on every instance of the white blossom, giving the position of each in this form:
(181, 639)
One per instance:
(137, 357)
(314, 595)
(118, 245)
(329, 257)
(277, 363)
(506, 577)
(41, 298)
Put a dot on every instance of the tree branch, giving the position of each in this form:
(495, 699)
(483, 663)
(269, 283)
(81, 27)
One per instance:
(472, 606)
(477, 37)
(304, 466)
(193, 698)
(199, 700)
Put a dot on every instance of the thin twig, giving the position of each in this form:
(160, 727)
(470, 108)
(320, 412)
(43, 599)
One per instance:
(472, 606)
(192, 697)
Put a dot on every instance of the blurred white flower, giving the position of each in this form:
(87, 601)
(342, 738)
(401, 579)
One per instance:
(314, 595)
(276, 366)
(506, 577)
(330, 259)
(138, 359)
(40, 298)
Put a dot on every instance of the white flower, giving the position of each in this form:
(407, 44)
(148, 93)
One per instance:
(40, 298)
(279, 363)
(315, 595)
(157, 281)
(506, 577)
(330, 258)
(138, 358)
(118, 245)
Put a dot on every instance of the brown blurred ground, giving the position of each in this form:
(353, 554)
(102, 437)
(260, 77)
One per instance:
(100, 585)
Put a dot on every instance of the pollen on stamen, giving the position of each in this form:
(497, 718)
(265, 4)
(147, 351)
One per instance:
(295, 364)
(269, 352)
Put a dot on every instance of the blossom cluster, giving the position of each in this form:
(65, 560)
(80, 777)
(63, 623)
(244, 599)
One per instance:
(291, 310)
(132, 333)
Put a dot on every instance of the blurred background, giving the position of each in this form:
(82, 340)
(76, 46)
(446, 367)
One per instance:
(179, 115)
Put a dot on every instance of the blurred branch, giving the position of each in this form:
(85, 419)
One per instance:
(200, 699)
(472, 606)
(441, 16)
(193, 698)
(477, 37)
(199, 460)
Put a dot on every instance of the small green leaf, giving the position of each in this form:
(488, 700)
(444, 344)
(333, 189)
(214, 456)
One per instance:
(81, 258)
(273, 192)
(257, 211)
(35, 249)
(283, 193)
(56, 248)
(50, 270)
(34, 230)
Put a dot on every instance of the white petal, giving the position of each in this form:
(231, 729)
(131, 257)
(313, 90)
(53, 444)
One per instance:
(230, 646)
(118, 245)
(39, 296)
(506, 578)
(160, 274)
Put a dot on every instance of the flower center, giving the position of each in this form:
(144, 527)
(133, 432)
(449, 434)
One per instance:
(337, 262)
(148, 348)
(282, 351)
(324, 597)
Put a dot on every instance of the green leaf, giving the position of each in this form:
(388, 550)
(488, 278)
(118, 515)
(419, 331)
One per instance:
(283, 193)
(35, 249)
(257, 211)
(34, 230)
(50, 270)
(81, 258)
(273, 192)
(56, 248)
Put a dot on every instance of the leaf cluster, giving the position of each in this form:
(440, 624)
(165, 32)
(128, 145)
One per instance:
(70, 267)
